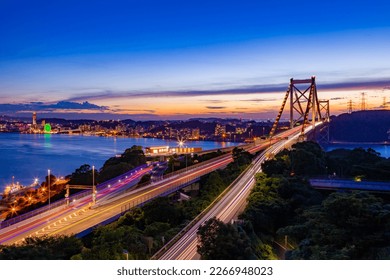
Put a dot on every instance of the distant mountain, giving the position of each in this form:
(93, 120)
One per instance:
(213, 120)
(361, 126)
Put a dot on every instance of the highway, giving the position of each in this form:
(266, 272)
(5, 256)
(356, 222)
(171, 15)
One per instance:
(39, 224)
(80, 216)
(226, 208)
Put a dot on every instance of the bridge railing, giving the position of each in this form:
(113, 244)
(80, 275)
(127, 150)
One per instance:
(62, 202)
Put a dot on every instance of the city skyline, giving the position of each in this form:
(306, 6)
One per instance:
(154, 60)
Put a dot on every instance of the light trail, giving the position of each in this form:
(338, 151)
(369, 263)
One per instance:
(227, 208)
(56, 223)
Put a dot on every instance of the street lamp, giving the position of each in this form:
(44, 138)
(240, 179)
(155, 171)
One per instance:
(93, 186)
(126, 253)
(48, 179)
(181, 143)
(186, 158)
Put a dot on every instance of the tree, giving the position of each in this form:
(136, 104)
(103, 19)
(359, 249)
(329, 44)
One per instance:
(82, 175)
(213, 185)
(162, 210)
(359, 163)
(219, 241)
(116, 166)
(133, 217)
(307, 159)
(134, 156)
(303, 159)
(109, 242)
(42, 248)
(241, 157)
(345, 226)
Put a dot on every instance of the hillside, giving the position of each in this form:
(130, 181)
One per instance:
(361, 126)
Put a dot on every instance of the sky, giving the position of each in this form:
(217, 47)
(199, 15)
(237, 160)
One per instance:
(183, 59)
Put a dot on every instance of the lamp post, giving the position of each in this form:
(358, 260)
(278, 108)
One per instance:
(186, 158)
(126, 253)
(93, 186)
(48, 179)
(181, 145)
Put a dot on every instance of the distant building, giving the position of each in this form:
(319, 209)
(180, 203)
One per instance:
(156, 150)
(240, 130)
(220, 130)
(196, 133)
(166, 150)
(34, 120)
(184, 150)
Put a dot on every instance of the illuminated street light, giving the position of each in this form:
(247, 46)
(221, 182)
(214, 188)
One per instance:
(48, 177)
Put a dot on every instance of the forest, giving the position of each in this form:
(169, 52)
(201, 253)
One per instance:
(287, 219)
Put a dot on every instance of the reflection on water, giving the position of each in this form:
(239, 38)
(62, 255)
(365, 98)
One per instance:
(47, 143)
(27, 156)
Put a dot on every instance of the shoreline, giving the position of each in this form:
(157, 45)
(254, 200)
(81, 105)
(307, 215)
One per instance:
(383, 143)
(76, 149)
(123, 136)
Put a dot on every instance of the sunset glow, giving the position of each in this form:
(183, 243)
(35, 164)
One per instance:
(131, 59)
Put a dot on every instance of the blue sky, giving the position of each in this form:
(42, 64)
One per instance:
(177, 59)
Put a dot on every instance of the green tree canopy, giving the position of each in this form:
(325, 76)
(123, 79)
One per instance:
(42, 248)
(220, 241)
(345, 226)
(303, 159)
(116, 166)
(83, 176)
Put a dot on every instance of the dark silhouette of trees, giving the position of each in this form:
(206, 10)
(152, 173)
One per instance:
(366, 164)
(82, 176)
(116, 166)
(42, 248)
(220, 241)
(304, 159)
(345, 226)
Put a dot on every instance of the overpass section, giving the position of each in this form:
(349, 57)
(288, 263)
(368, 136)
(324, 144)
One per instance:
(332, 184)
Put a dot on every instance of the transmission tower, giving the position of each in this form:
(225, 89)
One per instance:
(350, 106)
(303, 98)
(323, 136)
(363, 102)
